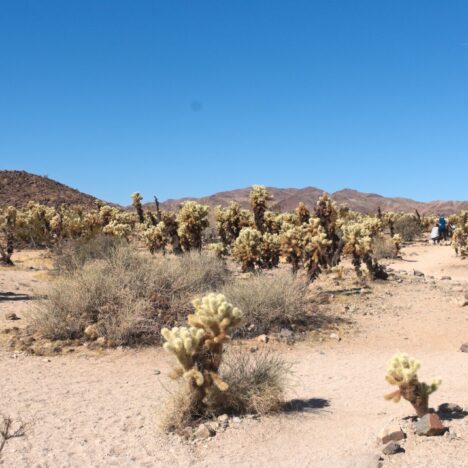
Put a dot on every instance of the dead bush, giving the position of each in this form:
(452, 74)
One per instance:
(257, 383)
(126, 297)
(383, 247)
(10, 430)
(408, 227)
(269, 302)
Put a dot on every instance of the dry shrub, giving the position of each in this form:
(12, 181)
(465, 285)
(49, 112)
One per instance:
(408, 227)
(269, 302)
(10, 429)
(257, 383)
(383, 248)
(127, 296)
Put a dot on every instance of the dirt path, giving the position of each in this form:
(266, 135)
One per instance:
(89, 409)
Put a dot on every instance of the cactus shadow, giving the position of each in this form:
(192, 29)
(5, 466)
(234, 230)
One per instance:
(451, 416)
(11, 296)
(307, 405)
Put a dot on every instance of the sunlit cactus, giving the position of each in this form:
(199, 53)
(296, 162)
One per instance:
(402, 371)
(259, 198)
(315, 246)
(116, 229)
(136, 203)
(199, 349)
(460, 234)
(396, 239)
(292, 246)
(218, 249)
(270, 250)
(7, 234)
(247, 249)
(229, 222)
(156, 237)
(302, 213)
(192, 219)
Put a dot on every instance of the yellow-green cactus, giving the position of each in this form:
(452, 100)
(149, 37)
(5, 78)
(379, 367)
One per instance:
(199, 347)
(402, 371)
(136, 202)
(192, 220)
(259, 198)
(7, 228)
(247, 249)
(156, 237)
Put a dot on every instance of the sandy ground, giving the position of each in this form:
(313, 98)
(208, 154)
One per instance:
(103, 409)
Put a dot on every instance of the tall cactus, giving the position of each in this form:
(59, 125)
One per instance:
(7, 229)
(193, 220)
(136, 203)
(259, 198)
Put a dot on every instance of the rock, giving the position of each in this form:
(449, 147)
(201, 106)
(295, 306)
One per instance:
(446, 278)
(253, 349)
(464, 348)
(429, 425)
(186, 432)
(462, 302)
(223, 418)
(46, 360)
(450, 408)
(418, 273)
(263, 338)
(204, 431)
(286, 333)
(334, 336)
(157, 372)
(236, 420)
(12, 316)
(392, 447)
(391, 432)
(101, 341)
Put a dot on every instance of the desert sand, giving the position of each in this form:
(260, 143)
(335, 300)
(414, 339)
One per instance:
(103, 408)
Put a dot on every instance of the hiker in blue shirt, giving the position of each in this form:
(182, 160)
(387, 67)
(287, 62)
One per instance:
(442, 228)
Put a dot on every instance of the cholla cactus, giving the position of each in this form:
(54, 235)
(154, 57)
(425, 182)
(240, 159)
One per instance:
(402, 371)
(114, 228)
(247, 249)
(270, 250)
(302, 213)
(315, 246)
(259, 198)
(199, 348)
(292, 246)
(460, 234)
(229, 222)
(358, 244)
(397, 243)
(7, 228)
(218, 248)
(156, 237)
(192, 220)
(136, 203)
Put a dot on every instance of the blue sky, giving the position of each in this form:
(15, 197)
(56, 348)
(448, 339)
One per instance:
(186, 98)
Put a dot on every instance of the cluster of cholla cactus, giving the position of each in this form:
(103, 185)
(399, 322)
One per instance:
(199, 349)
(358, 244)
(402, 372)
(156, 237)
(193, 220)
(259, 198)
(460, 234)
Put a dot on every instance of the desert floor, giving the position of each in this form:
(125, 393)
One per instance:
(102, 408)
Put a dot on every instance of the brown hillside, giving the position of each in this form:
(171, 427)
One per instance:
(17, 188)
(287, 199)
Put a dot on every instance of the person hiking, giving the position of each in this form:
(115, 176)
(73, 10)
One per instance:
(442, 228)
(435, 234)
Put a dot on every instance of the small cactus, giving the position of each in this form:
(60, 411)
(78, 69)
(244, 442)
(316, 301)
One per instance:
(402, 371)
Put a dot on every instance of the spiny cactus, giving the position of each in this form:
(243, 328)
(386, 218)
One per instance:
(315, 246)
(402, 371)
(292, 246)
(7, 228)
(229, 222)
(302, 213)
(397, 243)
(199, 349)
(259, 198)
(156, 237)
(192, 220)
(247, 249)
(460, 234)
(136, 203)
(270, 250)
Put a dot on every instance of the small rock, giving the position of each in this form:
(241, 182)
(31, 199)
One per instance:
(464, 348)
(253, 349)
(286, 333)
(157, 372)
(236, 420)
(334, 336)
(392, 448)
(418, 273)
(12, 316)
(429, 425)
(223, 418)
(446, 278)
(463, 303)
(46, 360)
(263, 338)
(204, 431)
(450, 408)
(101, 341)
(186, 433)
(391, 432)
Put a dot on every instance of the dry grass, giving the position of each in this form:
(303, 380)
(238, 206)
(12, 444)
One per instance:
(126, 296)
(408, 227)
(384, 247)
(257, 384)
(269, 302)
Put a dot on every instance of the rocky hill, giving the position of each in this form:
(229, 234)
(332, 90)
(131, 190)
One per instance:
(17, 188)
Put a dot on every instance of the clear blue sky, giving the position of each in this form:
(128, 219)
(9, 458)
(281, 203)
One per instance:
(180, 98)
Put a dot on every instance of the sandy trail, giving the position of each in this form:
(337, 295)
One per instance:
(103, 409)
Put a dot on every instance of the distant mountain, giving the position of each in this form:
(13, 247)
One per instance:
(287, 199)
(17, 188)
